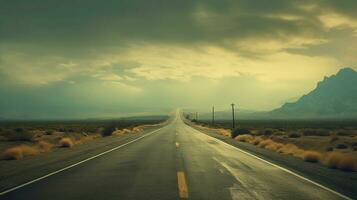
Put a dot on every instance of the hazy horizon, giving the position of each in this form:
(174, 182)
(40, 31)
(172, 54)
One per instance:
(123, 58)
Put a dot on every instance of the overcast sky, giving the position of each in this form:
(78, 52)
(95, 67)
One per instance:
(95, 58)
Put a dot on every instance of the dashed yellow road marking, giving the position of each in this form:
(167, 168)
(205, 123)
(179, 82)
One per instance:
(177, 145)
(182, 186)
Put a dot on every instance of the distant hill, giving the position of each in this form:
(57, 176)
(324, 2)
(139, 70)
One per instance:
(334, 96)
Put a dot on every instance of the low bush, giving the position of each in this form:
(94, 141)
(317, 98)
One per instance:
(291, 149)
(274, 146)
(341, 161)
(239, 131)
(312, 156)
(244, 138)
(18, 152)
(44, 146)
(257, 141)
(108, 131)
(265, 143)
(66, 142)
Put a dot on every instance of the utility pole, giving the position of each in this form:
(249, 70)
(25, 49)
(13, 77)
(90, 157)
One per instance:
(213, 115)
(197, 116)
(233, 121)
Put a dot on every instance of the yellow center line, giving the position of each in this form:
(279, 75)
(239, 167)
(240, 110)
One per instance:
(177, 145)
(182, 186)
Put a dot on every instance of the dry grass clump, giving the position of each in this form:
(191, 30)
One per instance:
(341, 161)
(45, 146)
(265, 143)
(137, 130)
(291, 149)
(18, 152)
(312, 156)
(224, 132)
(338, 160)
(66, 142)
(87, 138)
(274, 146)
(269, 144)
(244, 138)
(256, 140)
(239, 131)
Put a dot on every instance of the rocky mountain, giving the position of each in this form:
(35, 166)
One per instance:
(334, 96)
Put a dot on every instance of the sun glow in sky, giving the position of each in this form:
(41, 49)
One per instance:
(79, 59)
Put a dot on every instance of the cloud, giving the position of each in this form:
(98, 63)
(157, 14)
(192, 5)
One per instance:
(111, 52)
(337, 21)
(182, 64)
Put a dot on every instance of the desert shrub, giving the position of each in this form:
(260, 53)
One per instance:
(312, 156)
(348, 163)
(291, 149)
(294, 135)
(341, 146)
(341, 161)
(44, 146)
(18, 152)
(66, 142)
(108, 131)
(137, 130)
(239, 131)
(224, 132)
(244, 138)
(257, 140)
(274, 146)
(265, 143)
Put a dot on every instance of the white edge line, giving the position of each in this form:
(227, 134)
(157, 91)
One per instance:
(282, 168)
(75, 164)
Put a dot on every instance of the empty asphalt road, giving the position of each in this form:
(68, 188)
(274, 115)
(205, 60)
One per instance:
(173, 162)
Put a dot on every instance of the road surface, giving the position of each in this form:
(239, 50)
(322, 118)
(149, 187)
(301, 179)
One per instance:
(174, 162)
